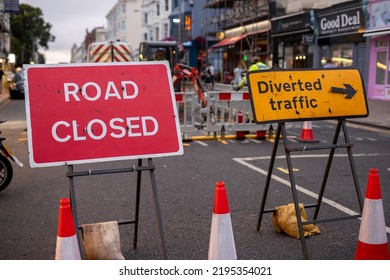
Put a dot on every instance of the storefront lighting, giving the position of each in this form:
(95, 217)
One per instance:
(11, 58)
(220, 35)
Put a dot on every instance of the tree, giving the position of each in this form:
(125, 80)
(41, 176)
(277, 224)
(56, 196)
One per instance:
(29, 32)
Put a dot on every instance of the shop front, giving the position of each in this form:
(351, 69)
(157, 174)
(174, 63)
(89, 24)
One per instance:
(340, 36)
(239, 44)
(293, 41)
(378, 37)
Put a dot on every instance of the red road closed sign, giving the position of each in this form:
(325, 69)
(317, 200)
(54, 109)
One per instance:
(81, 113)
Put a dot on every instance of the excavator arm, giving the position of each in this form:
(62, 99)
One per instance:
(181, 72)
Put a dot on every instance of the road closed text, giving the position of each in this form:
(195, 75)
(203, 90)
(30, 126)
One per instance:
(97, 129)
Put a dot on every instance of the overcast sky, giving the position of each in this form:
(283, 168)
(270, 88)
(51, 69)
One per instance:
(70, 19)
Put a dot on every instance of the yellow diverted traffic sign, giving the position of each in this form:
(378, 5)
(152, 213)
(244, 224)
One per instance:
(288, 95)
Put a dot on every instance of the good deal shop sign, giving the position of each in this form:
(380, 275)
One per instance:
(81, 113)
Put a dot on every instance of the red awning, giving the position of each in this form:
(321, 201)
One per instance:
(228, 41)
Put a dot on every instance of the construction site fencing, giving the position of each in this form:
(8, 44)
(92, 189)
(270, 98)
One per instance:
(225, 112)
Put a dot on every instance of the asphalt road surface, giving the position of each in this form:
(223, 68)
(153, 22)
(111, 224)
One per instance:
(186, 186)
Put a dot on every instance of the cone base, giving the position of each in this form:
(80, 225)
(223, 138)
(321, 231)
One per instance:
(366, 251)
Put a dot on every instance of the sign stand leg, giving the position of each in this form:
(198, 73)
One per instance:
(269, 175)
(158, 212)
(72, 197)
(295, 194)
(353, 167)
(137, 203)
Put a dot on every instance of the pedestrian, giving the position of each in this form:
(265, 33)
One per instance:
(329, 64)
(256, 65)
(210, 70)
(237, 74)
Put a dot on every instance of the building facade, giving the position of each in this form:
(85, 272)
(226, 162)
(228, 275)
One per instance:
(291, 34)
(285, 34)
(378, 43)
(79, 53)
(241, 31)
(155, 24)
(7, 60)
(124, 23)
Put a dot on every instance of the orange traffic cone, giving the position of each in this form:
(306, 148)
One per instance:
(67, 247)
(221, 246)
(307, 135)
(372, 243)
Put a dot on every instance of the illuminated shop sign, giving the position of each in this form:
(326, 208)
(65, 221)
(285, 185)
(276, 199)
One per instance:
(341, 22)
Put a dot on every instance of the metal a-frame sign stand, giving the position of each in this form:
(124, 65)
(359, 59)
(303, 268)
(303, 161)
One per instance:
(71, 174)
(281, 132)
(311, 94)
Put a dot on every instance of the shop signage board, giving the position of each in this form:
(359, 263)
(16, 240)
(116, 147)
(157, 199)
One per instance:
(298, 95)
(93, 112)
(341, 22)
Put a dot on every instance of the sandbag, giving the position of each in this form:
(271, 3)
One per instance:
(101, 241)
(284, 220)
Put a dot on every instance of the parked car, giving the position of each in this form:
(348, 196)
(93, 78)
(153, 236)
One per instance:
(16, 85)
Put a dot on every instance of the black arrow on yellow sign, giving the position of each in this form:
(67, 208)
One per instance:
(348, 90)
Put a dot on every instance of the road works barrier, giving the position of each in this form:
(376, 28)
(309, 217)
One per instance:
(225, 112)
(221, 246)
(187, 104)
(67, 246)
(372, 243)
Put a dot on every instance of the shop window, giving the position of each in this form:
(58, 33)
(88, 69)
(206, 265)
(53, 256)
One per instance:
(342, 55)
(381, 43)
(380, 73)
(187, 22)
(289, 57)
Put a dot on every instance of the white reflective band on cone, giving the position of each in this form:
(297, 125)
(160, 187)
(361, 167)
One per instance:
(371, 221)
(222, 246)
(67, 248)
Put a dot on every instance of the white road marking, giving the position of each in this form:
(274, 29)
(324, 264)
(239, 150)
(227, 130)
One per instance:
(244, 161)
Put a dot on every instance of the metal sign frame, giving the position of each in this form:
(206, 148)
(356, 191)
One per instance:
(281, 132)
(305, 95)
(71, 174)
